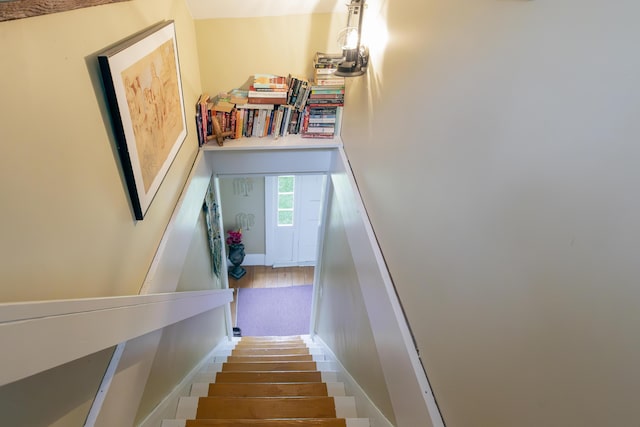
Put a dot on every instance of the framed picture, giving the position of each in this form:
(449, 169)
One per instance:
(212, 219)
(142, 83)
(18, 9)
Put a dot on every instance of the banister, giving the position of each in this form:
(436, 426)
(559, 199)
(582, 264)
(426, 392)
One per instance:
(39, 335)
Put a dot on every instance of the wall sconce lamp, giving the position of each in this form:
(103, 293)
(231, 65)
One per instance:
(356, 56)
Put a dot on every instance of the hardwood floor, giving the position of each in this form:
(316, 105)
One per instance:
(260, 276)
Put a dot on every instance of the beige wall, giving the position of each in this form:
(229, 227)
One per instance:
(197, 273)
(67, 227)
(232, 50)
(342, 319)
(495, 145)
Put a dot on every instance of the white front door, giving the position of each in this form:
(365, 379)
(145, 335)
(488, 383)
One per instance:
(293, 206)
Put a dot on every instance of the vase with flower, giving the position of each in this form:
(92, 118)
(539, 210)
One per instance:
(236, 253)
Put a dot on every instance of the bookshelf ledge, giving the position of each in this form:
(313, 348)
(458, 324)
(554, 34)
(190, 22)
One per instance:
(289, 142)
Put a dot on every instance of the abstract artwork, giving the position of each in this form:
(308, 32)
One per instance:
(142, 82)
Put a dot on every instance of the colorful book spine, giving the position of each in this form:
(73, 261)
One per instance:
(267, 101)
(268, 81)
(250, 106)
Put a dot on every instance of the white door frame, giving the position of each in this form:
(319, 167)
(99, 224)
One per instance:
(271, 240)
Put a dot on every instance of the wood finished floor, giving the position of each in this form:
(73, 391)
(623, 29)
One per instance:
(260, 276)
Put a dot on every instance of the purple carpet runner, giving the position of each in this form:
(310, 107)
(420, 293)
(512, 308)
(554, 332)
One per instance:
(274, 311)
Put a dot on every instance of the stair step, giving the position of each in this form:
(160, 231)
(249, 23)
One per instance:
(269, 351)
(309, 422)
(272, 338)
(280, 344)
(228, 351)
(266, 344)
(269, 377)
(267, 389)
(276, 358)
(314, 422)
(279, 377)
(266, 407)
(269, 366)
(270, 358)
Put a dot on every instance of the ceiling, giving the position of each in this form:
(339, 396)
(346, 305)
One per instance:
(208, 9)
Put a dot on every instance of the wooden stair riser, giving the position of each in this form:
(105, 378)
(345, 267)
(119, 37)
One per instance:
(267, 389)
(275, 345)
(276, 358)
(269, 366)
(318, 422)
(271, 342)
(271, 338)
(266, 407)
(268, 351)
(225, 357)
(269, 377)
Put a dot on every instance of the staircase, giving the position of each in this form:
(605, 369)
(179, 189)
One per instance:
(268, 382)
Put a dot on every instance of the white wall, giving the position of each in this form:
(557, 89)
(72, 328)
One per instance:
(57, 397)
(495, 144)
(182, 346)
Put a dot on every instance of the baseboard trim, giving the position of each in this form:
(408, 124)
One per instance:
(166, 409)
(366, 408)
(260, 259)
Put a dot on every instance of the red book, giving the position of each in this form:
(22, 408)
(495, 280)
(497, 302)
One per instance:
(273, 101)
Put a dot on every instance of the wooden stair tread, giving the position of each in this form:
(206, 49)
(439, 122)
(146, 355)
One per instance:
(269, 377)
(267, 389)
(269, 366)
(271, 338)
(264, 340)
(271, 358)
(265, 407)
(306, 422)
(241, 346)
(269, 351)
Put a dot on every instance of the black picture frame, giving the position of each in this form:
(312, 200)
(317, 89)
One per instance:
(142, 82)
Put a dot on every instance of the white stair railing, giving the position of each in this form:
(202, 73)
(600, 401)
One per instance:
(40, 335)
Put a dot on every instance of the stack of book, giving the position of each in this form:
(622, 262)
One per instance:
(324, 68)
(201, 118)
(219, 109)
(298, 91)
(268, 89)
(323, 111)
(238, 96)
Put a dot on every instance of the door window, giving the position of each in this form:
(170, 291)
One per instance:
(286, 188)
